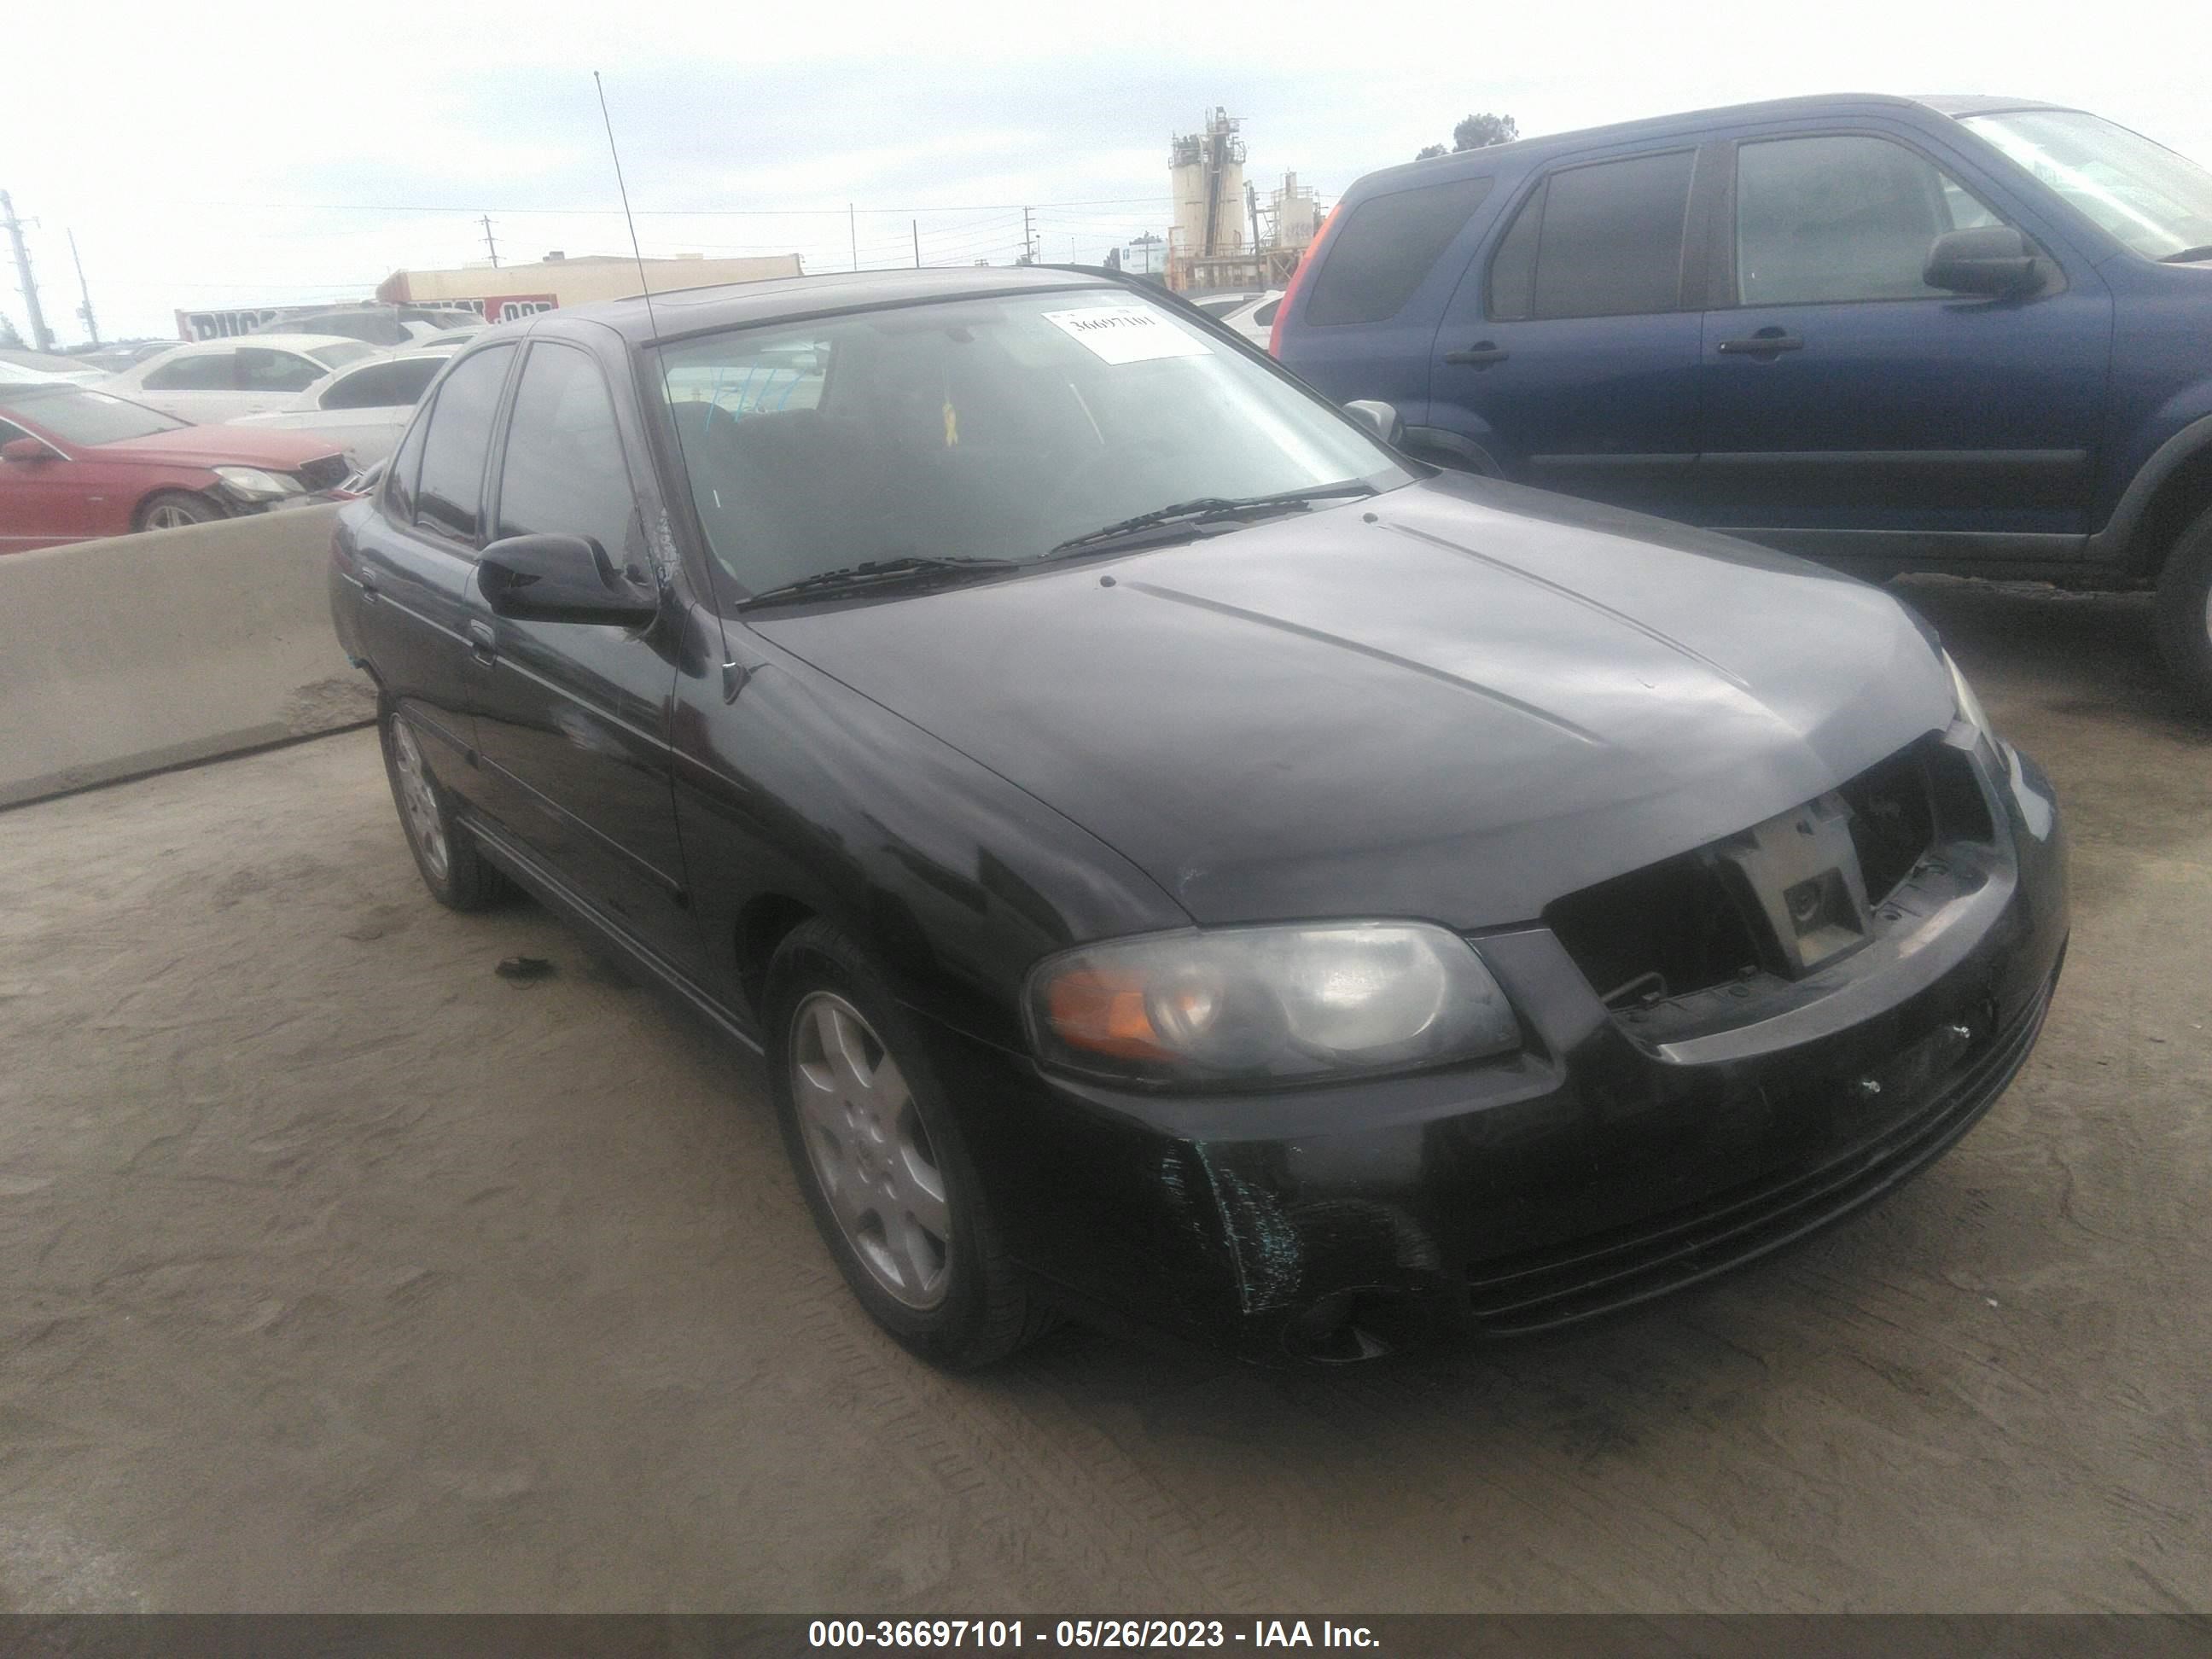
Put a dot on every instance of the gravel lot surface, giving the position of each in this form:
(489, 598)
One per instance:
(338, 1272)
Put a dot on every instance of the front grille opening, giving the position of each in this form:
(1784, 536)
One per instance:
(1660, 932)
(1677, 927)
(1893, 819)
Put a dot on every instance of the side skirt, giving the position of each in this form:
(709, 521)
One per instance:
(577, 910)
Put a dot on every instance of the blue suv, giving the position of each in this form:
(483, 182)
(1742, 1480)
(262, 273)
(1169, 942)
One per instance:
(1969, 335)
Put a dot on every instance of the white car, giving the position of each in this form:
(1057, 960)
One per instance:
(1254, 318)
(213, 380)
(361, 407)
(42, 369)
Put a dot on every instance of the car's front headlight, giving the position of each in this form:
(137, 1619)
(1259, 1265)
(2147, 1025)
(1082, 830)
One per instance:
(1250, 1005)
(250, 483)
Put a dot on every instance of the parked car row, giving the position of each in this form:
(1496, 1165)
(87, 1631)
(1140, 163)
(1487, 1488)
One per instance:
(1185, 861)
(1968, 334)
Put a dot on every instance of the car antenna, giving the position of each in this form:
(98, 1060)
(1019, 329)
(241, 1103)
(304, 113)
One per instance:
(733, 673)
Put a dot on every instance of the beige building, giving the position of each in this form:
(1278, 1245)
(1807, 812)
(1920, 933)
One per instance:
(498, 291)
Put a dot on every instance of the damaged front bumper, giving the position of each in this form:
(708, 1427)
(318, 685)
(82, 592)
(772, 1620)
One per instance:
(1623, 1153)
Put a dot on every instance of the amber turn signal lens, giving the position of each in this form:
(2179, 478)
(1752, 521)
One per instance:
(1105, 1012)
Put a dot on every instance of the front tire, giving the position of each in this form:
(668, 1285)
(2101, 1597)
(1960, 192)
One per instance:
(876, 1146)
(452, 868)
(177, 509)
(2185, 611)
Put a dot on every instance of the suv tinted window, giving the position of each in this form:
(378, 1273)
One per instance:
(450, 497)
(383, 385)
(202, 370)
(1604, 241)
(1387, 246)
(564, 474)
(1840, 217)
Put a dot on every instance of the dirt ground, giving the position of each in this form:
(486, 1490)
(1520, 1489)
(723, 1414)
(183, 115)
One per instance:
(337, 1273)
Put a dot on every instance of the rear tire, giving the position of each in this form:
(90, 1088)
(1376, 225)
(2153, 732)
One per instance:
(2185, 611)
(175, 509)
(452, 868)
(877, 1145)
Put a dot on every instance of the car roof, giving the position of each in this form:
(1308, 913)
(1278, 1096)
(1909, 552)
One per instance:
(1534, 151)
(679, 312)
(282, 341)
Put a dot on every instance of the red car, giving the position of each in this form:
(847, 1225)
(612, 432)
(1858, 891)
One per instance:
(76, 463)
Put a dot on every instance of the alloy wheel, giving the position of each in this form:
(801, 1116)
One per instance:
(418, 806)
(169, 517)
(870, 1151)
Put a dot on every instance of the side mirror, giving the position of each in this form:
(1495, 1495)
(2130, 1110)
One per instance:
(24, 449)
(564, 579)
(1379, 418)
(1991, 259)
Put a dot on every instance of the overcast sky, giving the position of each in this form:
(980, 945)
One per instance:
(230, 153)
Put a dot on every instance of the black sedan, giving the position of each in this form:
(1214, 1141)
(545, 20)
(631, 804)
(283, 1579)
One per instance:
(1183, 862)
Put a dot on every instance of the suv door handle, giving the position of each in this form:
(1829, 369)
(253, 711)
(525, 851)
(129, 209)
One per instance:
(483, 644)
(1767, 339)
(1480, 355)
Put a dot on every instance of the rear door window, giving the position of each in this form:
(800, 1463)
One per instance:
(1601, 240)
(450, 497)
(1387, 245)
(260, 369)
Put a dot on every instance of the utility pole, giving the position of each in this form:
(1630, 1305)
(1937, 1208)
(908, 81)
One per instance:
(1029, 241)
(916, 223)
(853, 229)
(491, 245)
(42, 337)
(85, 289)
(1252, 205)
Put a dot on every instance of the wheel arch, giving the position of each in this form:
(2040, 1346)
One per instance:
(2163, 499)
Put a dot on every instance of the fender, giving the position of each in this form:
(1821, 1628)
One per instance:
(2111, 545)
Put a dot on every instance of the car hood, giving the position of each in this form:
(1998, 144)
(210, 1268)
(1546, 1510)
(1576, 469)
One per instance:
(1460, 700)
(225, 445)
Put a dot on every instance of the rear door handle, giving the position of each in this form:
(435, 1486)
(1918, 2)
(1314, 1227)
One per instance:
(1480, 355)
(369, 590)
(1767, 339)
(483, 644)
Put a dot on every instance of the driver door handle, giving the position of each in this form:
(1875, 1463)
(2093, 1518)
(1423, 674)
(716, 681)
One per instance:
(483, 644)
(1767, 339)
(1480, 355)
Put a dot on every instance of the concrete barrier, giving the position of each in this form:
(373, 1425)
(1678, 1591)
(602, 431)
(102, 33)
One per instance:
(124, 656)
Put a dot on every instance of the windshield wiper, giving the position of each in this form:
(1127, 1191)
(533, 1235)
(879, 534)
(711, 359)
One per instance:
(908, 569)
(1208, 507)
(2187, 256)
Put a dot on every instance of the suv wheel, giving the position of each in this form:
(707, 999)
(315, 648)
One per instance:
(877, 1145)
(2184, 610)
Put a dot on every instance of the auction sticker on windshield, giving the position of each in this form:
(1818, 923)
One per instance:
(1126, 334)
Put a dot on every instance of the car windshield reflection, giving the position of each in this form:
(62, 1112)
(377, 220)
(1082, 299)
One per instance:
(982, 429)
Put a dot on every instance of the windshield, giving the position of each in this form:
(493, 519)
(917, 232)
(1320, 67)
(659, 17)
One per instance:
(77, 416)
(2158, 203)
(982, 429)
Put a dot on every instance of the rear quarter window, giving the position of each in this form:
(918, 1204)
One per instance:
(1387, 245)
